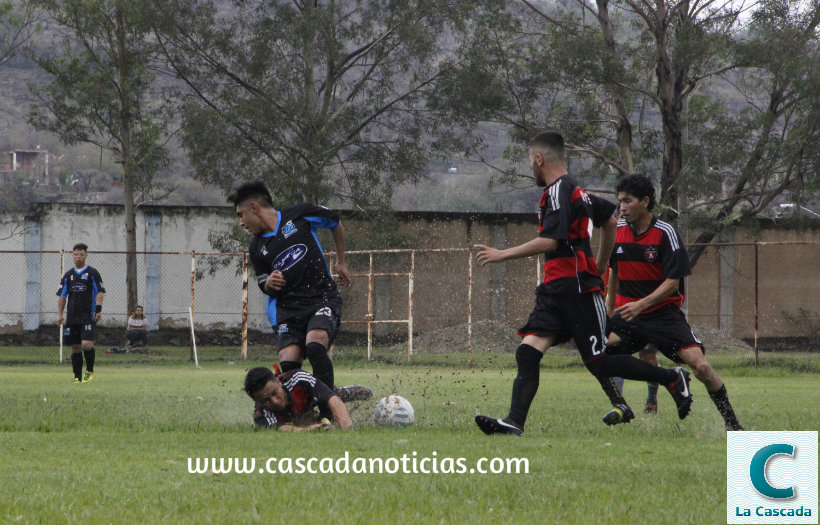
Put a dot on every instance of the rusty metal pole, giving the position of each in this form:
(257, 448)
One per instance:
(410, 305)
(370, 308)
(193, 288)
(62, 272)
(757, 304)
(243, 352)
(469, 307)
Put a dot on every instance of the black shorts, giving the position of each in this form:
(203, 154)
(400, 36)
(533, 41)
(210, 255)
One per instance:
(666, 329)
(294, 330)
(581, 317)
(75, 334)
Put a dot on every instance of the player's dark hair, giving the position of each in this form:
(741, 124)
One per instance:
(638, 185)
(551, 143)
(254, 190)
(80, 246)
(256, 379)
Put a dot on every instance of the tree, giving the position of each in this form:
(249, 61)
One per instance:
(17, 24)
(103, 91)
(321, 100)
(677, 88)
(771, 147)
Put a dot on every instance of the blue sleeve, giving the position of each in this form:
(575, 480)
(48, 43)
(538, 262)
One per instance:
(317, 216)
(322, 222)
(62, 291)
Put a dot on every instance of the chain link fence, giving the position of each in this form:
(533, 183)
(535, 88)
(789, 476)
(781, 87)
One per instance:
(749, 301)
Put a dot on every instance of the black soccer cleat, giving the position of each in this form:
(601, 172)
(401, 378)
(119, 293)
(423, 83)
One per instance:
(491, 425)
(679, 388)
(620, 413)
(353, 393)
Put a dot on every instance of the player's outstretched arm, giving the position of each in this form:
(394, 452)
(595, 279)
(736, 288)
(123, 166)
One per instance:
(340, 414)
(537, 246)
(341, 267)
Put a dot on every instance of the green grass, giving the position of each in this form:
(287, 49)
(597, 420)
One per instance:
(116, 450)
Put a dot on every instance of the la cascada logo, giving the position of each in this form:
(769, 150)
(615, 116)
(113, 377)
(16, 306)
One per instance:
(771, 477)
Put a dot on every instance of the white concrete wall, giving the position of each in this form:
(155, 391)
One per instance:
(218, 300)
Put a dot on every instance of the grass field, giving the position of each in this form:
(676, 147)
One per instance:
(116, 450)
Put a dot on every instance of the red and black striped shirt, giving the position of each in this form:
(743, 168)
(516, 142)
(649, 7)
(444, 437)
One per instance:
(643, 262)
(564, 214)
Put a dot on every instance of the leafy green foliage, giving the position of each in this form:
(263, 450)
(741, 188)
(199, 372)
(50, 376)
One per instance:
(103, 91)
(323, 101)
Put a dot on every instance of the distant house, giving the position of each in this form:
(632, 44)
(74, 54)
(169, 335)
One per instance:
(34, 163)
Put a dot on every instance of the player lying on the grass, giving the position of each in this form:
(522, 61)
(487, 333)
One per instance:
(304, 304)
(646, 290)
(294, 401)
(568, 302)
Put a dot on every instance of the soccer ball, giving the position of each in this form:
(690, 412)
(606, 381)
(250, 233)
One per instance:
(394, 411)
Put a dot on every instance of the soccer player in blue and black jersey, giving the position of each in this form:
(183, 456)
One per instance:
(304, 304)
(568, 302)
(646, 290)
(82, 288)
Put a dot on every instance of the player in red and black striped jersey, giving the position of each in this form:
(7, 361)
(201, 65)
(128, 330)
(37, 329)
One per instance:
(568, 302)
(646, 289)
(304, 304)
(294, 401)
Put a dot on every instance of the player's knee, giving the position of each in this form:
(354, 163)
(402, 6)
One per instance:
(318, 336)
(315, 350)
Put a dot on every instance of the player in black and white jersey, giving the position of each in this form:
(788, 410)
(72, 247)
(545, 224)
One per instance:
(304, 304)
(294, 401)
(82, 288)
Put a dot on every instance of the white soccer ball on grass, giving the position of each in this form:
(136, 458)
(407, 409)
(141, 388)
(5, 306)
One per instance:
(394, 411)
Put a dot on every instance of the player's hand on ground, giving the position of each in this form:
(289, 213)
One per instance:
(343, 278)
(485, 254)
(275, 281)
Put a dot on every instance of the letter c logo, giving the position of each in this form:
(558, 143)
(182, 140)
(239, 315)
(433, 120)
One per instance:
(757, 471)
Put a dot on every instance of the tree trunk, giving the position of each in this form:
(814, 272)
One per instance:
(623, 127)
(127, 159)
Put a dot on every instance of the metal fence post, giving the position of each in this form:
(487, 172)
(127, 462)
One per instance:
(410, 304)
(757, 304)
(193, 289)
(244, 349)
(469, 307)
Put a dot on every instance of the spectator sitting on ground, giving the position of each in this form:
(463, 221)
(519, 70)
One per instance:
(136, 332)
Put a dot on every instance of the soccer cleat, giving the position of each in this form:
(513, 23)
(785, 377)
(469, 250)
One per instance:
(491, 425)
(651, 408)
(88, 377)
(679, 388)
(77, 381)
(353, 393)
(620, 413)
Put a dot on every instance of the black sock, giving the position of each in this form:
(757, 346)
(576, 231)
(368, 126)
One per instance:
(287, 366)
(630, 367)
(525, 384)
(89, 359)
(721, 400)
(77, 364)
(652, 392)
(321, 363)
(611, 389)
